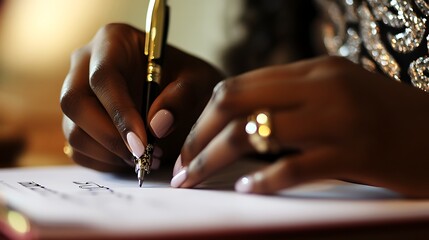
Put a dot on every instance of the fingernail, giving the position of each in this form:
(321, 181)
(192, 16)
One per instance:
(178, 180)
(136, 145)
(156, 162)
(178, 165)
(162, 122)
(244, 185)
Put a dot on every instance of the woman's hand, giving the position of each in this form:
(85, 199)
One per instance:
(102, 96)
(343, 121)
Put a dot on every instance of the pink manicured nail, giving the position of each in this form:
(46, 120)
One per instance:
(136, 145)
(162, 122)
(244, 185)
(177, 166)
(178, 180)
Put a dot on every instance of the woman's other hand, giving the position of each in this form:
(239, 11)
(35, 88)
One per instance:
(342, 121)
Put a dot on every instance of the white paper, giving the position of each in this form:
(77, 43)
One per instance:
(82, 198)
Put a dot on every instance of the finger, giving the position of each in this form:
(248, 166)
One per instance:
(290, 171)
(86, 161)
(186, 96)
(231, 144)
(80, 104)
(235, 99)
(188, 83)
(80, 141)
(264, 87)
(107, 68)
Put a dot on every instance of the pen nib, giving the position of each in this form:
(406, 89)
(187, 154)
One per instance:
(143, 164)
(140, 175)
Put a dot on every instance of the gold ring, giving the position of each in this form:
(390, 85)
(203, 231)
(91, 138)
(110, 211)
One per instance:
(259, 129)
(68, 150)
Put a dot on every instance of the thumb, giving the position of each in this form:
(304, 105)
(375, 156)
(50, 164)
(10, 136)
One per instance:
(187, 87)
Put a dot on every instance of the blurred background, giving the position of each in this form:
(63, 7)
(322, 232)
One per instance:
(37, 38)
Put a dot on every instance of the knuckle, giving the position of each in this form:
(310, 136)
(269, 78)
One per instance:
(110, 28)
(78, 54)
(335, 73)
(70, 100)
(97, 77)
(119, 120)
(112, 31)
(185, 87)
(224, 94)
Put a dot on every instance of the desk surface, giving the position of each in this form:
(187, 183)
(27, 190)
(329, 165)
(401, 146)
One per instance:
(81, 203)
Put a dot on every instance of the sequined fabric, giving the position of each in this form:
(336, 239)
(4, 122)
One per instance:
(390, 36)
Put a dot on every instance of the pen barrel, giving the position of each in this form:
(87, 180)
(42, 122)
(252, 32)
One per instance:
(152, 89)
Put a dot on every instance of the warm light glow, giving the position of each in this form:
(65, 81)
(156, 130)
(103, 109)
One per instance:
(18, 222)
(68, 150)
(262, 118)
(264, 131)
(39, 35)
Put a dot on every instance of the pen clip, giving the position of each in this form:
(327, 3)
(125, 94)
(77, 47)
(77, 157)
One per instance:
(156, 29)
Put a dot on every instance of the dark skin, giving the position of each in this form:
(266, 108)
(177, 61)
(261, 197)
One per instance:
(344, 122)
(102, 95)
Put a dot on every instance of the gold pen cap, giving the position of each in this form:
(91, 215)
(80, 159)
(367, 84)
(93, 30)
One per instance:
(155, 28)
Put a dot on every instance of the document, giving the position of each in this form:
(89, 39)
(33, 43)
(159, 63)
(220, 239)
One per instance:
(77, 201)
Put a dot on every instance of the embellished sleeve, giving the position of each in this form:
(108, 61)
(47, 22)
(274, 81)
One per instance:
(388, 36)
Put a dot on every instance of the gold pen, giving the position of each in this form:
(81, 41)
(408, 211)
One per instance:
(156, 35)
